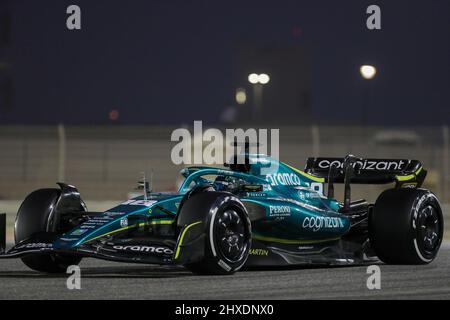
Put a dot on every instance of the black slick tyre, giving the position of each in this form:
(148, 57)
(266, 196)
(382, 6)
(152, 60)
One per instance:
(227, 232)
(32, 218)
(406, 226)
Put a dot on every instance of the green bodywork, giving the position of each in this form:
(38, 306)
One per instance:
(289, 206)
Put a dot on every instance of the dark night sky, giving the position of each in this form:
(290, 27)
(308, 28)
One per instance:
(172, 61)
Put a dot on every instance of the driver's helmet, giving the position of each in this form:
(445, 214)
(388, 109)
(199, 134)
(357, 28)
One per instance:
(222, 183)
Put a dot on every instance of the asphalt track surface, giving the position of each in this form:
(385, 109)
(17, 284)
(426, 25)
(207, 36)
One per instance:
(109, 280)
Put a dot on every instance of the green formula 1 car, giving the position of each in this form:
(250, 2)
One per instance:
(221, 220)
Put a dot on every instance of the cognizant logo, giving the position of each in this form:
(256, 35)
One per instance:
(366, 164)
(318, 223)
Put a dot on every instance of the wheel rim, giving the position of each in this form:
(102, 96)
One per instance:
(428, 229)
(231, 235)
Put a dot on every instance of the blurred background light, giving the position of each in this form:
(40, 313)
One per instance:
(368, 71)
(241, 96)
(253, 78)
(264, 78)
(113, 115)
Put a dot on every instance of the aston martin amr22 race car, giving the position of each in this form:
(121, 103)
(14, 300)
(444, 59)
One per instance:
(223, 219)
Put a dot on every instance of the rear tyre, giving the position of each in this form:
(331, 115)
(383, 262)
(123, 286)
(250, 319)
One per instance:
(227, 232)
(33, 217)
(406, 226)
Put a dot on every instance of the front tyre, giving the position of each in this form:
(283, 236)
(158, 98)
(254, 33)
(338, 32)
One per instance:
(406, 226)
(33, 217)
(227, 232)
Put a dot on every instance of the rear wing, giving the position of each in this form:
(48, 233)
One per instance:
(403, 172)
